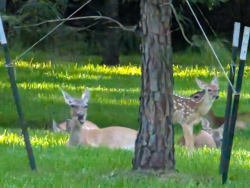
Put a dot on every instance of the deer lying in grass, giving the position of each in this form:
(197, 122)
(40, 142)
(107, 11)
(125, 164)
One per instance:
(66, 126)
(113, 137)
(210, 138)
(189, 112)
(216, 121)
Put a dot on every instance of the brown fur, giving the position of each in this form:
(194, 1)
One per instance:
(113, 137)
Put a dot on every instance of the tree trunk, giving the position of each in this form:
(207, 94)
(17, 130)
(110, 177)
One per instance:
(110, 37)
(154, 146)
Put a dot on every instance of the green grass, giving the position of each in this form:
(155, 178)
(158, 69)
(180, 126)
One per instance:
(114, 101)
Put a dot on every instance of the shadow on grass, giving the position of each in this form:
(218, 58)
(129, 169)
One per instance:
(41, 57)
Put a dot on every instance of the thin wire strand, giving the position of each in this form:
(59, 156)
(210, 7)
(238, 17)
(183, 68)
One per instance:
(232, 62)
(225, 74)
(205, 19)
(50, 32)
(179, 23)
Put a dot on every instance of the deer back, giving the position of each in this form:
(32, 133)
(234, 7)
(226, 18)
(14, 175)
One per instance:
(113, 137)
(202, 139)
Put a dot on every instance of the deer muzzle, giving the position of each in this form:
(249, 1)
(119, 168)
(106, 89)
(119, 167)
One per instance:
(81, 118)
(216, 97)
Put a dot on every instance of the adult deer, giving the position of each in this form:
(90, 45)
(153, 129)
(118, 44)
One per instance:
(216, 121)
(113, 137)
(189, 112)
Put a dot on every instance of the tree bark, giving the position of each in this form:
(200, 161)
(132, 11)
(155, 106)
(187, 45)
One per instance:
(110, 37)
(154, 146)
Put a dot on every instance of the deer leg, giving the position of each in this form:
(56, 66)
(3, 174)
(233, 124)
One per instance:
(188, 135)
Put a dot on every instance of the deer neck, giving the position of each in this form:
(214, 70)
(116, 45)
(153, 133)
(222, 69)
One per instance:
(211, 115)
(205, 104)
(75, 132)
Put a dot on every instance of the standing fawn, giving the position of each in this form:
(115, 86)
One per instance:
(66, 126)
(113, 137)
(189, 112)
(216, 121)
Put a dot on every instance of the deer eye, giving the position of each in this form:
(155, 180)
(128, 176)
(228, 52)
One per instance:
(86, 106)
(209, 90)
(73, 106)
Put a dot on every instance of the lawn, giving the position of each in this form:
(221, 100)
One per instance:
(114, 101)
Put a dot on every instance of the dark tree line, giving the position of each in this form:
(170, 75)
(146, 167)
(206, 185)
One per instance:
(221, 18)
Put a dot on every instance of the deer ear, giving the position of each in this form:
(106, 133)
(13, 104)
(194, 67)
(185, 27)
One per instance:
(86, 96)
(221, 128)
(205, 123)
(215, 81)
(206, 126)
(195, 96)
(200, 83)
(55, 126)
(68, 99)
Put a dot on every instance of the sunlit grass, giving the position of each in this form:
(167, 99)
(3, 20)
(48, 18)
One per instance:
(84, 72)
(91, 167)
(42, 138)
(114, 100)
(122, 70)
(40, 87)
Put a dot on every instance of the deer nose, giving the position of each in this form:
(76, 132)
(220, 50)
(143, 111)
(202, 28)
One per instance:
(216, 97)
(80, 116)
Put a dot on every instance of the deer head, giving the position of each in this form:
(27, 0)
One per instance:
(217, 134)
(212, 89)
(78, 107)
(198, 95)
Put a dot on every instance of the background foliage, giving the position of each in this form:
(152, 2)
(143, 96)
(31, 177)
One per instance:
(72, 39)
